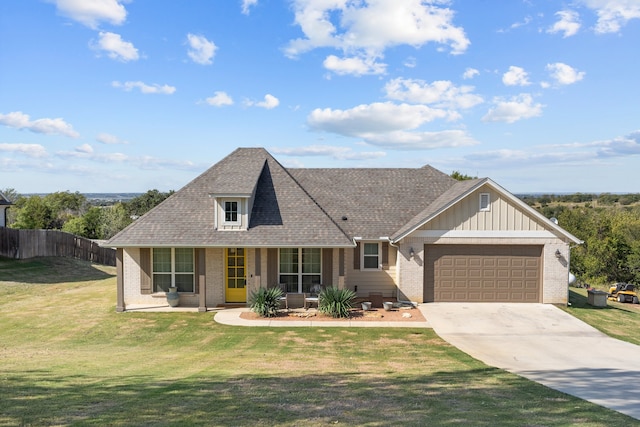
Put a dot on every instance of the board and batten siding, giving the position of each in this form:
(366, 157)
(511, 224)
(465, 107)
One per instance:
(466, 215)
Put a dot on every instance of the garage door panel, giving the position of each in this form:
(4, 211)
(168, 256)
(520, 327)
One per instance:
(475, 273)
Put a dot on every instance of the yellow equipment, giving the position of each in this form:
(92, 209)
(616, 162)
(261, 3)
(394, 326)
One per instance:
(623, 292)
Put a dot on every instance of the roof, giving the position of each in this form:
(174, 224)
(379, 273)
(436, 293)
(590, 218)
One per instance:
(283, 214)
(4, 201)
(303, 207)
(376, 202)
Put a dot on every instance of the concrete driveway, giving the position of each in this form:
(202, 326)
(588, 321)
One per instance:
(544, 344)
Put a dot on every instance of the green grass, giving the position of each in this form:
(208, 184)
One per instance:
(67, 358)
(619, 320)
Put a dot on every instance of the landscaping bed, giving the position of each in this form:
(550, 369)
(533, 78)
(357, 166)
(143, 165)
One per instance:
(372, 315)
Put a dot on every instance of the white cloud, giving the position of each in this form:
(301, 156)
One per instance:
(356, 66)
(269, 102)
(389, 125)
(402, 140)
(154, 163)
(516, 76)
(441, 93)
(86, 152)
(613, 14)
(514, 109)
(144, 88)
(201, 50)
(108, 139)
(247, 4)
(410, 62)
(19, 120)
(337, 153)
(92, 12)
(219, 99)
(568, 23)
(84, 148)
(564, 74)
(576, 154)
(29, 150)
(627, 145)
(470, 73)
(366, 29)
(373, 118)
(115, 47)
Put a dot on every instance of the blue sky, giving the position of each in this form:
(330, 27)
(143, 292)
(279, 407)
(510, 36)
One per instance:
(127, 96)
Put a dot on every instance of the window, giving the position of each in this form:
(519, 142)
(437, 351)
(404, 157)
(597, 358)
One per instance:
(371, 256)
(485, 202)
(173, 267)
(300, 268)
(230, 211)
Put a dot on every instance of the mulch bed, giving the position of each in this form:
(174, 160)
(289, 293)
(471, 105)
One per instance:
(373, 315)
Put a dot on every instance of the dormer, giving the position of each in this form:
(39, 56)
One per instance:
(231, 211)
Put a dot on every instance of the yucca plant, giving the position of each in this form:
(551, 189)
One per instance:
(265, 301)
(336, 302)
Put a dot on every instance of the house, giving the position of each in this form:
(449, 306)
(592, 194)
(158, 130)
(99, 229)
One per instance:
(413, 234)
(4, 205)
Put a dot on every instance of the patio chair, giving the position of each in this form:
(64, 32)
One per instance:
(294, 300)
(313, 296)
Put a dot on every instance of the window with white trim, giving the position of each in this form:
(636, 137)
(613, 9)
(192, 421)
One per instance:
(370, 254)
(231, 212)
(173, 267)
(485, 202)
(300, 268)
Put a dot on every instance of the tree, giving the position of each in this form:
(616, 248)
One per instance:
(114, 219)
(93, 223)
(461, 177)
(33, 213)
(142, 204)
(75, 226)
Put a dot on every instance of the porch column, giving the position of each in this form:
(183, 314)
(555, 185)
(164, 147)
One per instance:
(201, 278)
(119, 281)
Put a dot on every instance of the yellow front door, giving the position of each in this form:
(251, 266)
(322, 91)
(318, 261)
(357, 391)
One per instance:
(236, 289)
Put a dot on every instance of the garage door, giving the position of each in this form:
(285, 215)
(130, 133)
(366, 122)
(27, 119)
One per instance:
(482, 273)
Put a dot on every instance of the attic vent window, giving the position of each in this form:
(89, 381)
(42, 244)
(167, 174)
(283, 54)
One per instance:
(485, 202)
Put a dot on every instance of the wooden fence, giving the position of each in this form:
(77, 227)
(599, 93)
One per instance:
(23, 244)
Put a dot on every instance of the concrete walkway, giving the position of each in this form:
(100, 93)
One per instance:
(544, 344)
(232, 317)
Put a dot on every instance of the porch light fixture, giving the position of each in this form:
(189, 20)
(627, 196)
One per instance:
(411, 253)
(558, 254)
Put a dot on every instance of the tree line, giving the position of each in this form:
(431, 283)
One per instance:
(74, 213)
(609, 226)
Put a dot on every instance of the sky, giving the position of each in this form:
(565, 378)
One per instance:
(541, 96)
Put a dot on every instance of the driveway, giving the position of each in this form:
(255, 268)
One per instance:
(544, 344)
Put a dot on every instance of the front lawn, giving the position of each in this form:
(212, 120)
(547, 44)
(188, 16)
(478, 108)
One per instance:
(69, 358)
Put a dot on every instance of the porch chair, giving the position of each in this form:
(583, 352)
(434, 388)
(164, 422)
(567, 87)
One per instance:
(313, 296)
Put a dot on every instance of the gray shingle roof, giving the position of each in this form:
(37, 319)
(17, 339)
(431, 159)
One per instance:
(294, 207)
(282, 215)
(376, 202)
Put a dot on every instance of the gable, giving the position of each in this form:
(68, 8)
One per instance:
(458, 213)
(502, 215)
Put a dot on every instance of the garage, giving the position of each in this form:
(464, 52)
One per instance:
(483, 273)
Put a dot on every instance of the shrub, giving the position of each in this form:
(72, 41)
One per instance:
(266, 301)
(336, 302)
